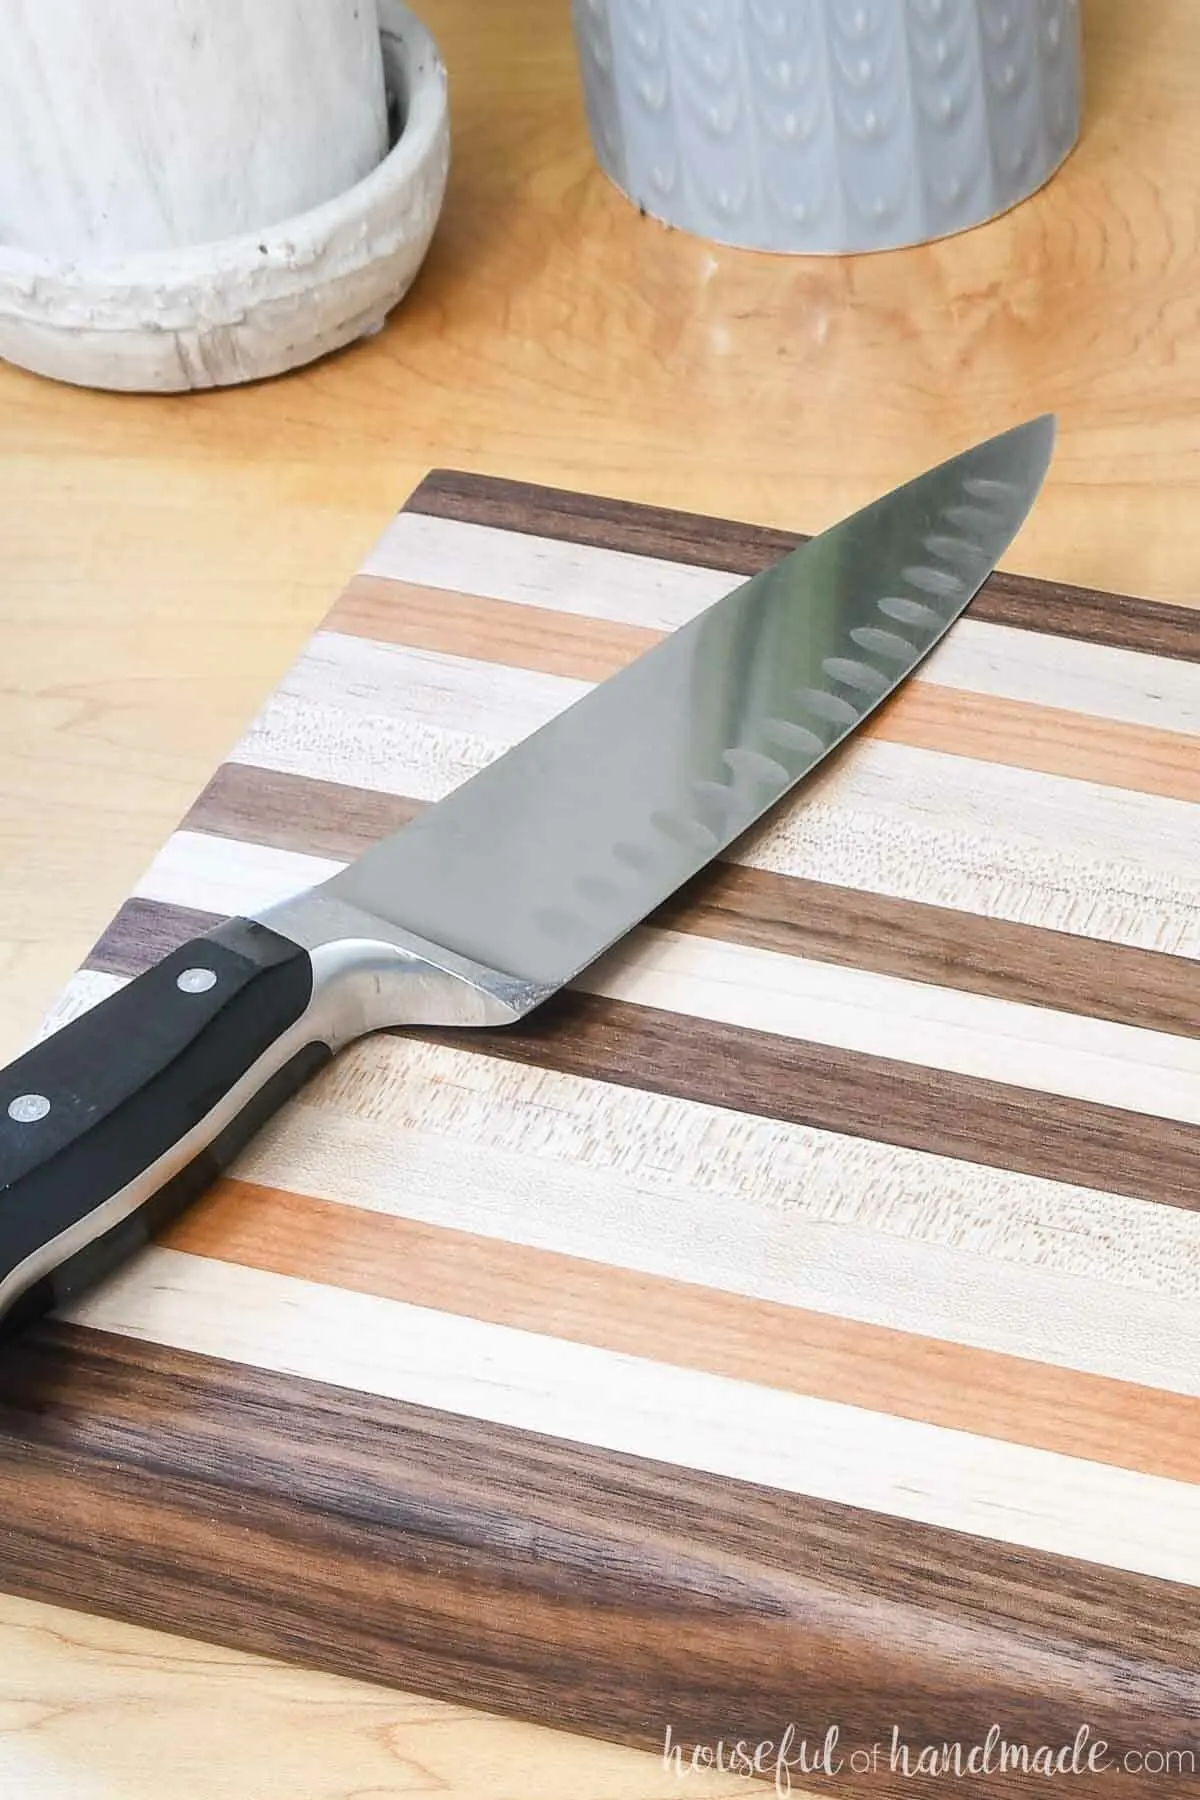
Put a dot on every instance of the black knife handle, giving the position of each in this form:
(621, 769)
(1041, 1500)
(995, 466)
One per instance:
(124, 1115)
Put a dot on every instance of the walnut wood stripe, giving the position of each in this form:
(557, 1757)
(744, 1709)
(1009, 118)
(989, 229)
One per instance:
(862, 1096)
(848, 926)
(142, 933)
(1032, 1047)
(1029, 1499)
(1009, 843)
(500, 1568)
(296, 812)
(767, 1076)
(927, 717)
(1043, 1271)
(675, 1322)
(965, 1254)
(1006, 599)
(937, 944)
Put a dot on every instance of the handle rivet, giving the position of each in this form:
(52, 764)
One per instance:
(196, 981)
(27, 1109)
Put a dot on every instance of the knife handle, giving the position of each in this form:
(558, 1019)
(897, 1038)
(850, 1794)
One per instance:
(123, 1116)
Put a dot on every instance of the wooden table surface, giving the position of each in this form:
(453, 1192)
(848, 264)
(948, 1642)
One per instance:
(164, 559)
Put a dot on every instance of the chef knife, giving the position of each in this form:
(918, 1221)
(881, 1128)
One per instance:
(492, 900)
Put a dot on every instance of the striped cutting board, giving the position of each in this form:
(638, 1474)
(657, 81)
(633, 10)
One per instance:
(798, 1322)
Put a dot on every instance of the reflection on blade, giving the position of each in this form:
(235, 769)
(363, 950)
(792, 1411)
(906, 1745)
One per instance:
(558, 848)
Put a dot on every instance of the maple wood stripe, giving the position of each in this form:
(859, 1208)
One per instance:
(1029, 1498)
(1125, 622)
(1013, 843)
(1129, 687)
(1030, 1048)
(893, 1237)
(929, 717)
(230, 1500)
(680, 1323)
(696, 976)
(782, 1078)
(860, 1095)
(850, 927)
(1035, 1047)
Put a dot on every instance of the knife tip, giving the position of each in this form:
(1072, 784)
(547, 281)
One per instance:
(1028, 450)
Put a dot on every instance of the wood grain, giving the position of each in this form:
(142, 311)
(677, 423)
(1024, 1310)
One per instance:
(837, 1090)
(827, 1088)
(985, 726)
(725, 1384)
(84, 1693)
(705, 1195)
(529, 637)
(697, 1327)
(743, 905)
(164, 560)
(1104, 862)
(469, 563)
(773, 1596)
(718, 543)
(1024, 1497)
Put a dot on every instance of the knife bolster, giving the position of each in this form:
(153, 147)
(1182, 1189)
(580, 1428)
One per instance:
(372, 974)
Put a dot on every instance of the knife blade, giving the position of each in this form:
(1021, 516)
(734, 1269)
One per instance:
(493, 899)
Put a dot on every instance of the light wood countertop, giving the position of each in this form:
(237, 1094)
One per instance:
(164, 559)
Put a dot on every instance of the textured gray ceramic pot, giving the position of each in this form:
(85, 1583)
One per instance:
(830, 125)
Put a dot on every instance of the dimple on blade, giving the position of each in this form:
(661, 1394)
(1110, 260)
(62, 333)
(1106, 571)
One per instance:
(551, 853)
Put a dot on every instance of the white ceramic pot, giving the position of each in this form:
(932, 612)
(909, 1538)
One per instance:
(162, 255)
(830, 125)
(133, 125)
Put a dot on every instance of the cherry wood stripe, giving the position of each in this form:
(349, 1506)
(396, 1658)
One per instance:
(768, 1076)
(1029, 1499)
(225, 1498)
(923, 715)
(1006, 599)
(848, 926)
(502, 631)
(675, 1322)
(1048, 739)
(871, 1231)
